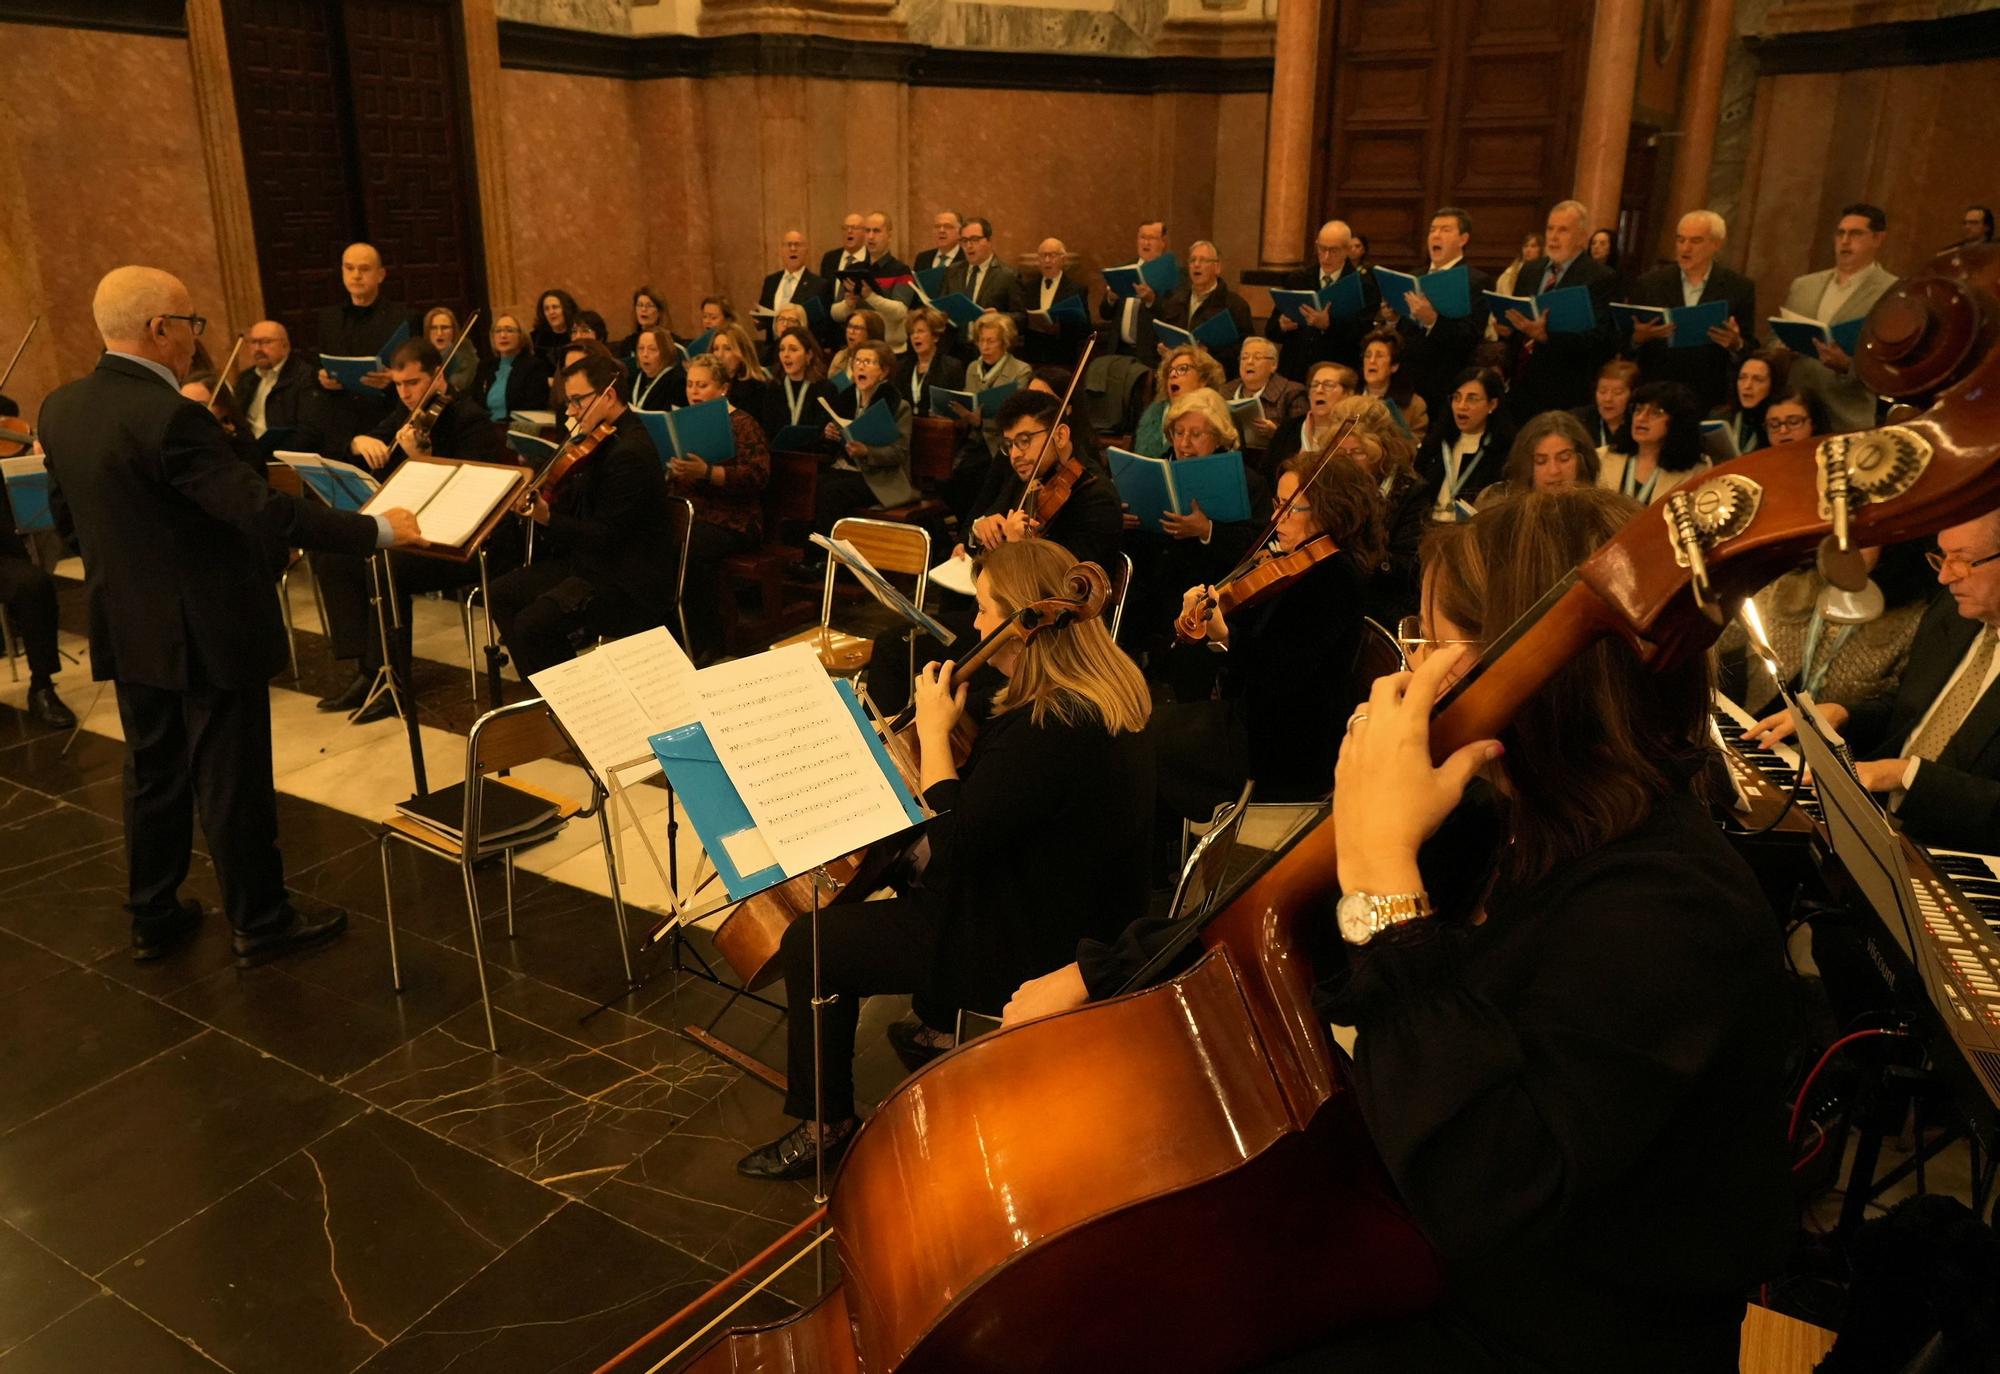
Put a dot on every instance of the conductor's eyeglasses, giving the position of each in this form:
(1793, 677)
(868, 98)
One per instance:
(195, 323)
(1954, 565)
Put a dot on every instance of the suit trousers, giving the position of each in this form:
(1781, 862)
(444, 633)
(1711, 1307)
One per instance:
(546, 614)
(347, 589)
(206, 749)
(29, 594)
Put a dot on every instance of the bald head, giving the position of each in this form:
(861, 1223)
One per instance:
(1050, 257)
(132, 307)
(1330, 246)
(361, 272)
(268, 345)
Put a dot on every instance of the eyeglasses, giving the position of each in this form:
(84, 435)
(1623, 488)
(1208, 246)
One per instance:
(1324, 384)
(972, 238)
(195, 323)
(1180, 369)
(1292, 507)
(1412, 640)
(579, 402)
(1648, 408)
(1785, 424)
(1025, 440)
(1955, 566)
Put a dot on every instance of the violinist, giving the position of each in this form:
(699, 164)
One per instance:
(1038, 840)
(1572, 1072)
(29, 594)
(728, 507)
(604, 547)
(1286, 652)
(457, 426)
(1089, 522)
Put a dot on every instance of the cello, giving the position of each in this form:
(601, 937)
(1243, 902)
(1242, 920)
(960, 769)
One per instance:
(985, 1219)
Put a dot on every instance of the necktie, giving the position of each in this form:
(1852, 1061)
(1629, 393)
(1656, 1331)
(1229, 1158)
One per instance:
(1325, 281)
(1555, 275)
(978, 282)
(1955, 705)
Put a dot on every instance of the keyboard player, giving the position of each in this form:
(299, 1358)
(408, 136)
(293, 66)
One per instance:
(1932, 747)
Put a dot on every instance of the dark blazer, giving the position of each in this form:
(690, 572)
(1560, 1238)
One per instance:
(1432, 357)
(284, 407)
(527, 382)
(1340, 342)
(463, 430)
(774, 410)
(1286, 658)
(927, 259)
(1222, 300)
(1561, 373)
(1112, 309)
(668, 391)
(1709, 370)
(945, 371)
(1955, 803)
(1049, 350)
(1482, 469)
(610, 518)
(175, 531)
(810, 284)
(829, 263)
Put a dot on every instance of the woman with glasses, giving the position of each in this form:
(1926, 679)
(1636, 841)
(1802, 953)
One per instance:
(649, 311)
(1759, 377)
(1184, 369)
(861, 327)
(864, 476)
(659, 381)
(1327, 384)
(1796, 413)
(1467, 445)
(1572, 1018)
(1665, 444)
(514, 378)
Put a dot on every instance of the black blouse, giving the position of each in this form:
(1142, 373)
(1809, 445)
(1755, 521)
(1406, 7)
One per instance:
(1287, 666)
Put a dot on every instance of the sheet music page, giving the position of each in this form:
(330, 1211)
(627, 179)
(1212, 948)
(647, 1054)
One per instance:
(599, 712)
(661, 677)
(409, 487)
(455, 513)
(794, 752)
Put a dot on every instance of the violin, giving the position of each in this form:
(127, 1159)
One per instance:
(424, 414)
(1050, 491)
(1269, 574)
(17, 436)
(749, 936)
(575, 450)
(993, 1214)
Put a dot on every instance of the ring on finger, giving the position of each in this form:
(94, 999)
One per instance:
(1357, 718)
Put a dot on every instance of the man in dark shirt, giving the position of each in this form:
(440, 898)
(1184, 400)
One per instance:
(357, 329)
(1202, 297)
(1555, 369)
(462, 430)
(1091, 523)
(607, 543)
(1696, 278)
(1436, 349)
(1319, 337)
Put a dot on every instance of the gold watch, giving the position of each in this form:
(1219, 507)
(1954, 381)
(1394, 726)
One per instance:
(1364, 915)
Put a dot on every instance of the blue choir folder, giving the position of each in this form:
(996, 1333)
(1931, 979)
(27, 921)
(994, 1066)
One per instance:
(350, 371)
(655, 422)
(1153, 487)
(1343, 300)
(1567, 308)
(1798, 335)
(28, 493)
(1449, 291)
(960, 308)
(1217, 331)
(716, 810)
(875, 427)
(931, 281)
(1065, 308)
(697, 346)
(1163, 274)
(840, 381)
(702, 431)
(1691, 322)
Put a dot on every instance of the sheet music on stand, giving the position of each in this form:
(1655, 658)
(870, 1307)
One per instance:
(457, 501)
(882, 589)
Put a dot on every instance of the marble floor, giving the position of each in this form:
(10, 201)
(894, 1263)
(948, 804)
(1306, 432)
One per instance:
(296, 1169)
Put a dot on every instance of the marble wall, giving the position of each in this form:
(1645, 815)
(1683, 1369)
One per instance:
(81, 193)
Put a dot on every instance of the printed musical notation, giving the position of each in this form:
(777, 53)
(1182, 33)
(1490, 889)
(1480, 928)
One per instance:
(611, 700)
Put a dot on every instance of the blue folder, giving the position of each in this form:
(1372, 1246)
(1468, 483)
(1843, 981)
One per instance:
(875, 427)
(1449, 291)
(1217, 331)
(337, 487)
(932, 280)
(1691, 322)
(350, 371)
(959, 308)
(841, 381)
(1798, 335)
(1568, 310)
(703, 430)
(655, 422)
(697, 346)
(28, 494)
(716, 810)
(1344, 299)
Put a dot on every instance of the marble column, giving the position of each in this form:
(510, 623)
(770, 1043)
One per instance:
(228, 183)
(1288, 144)
(1701, 107)
(1606, 126)
(489, 150)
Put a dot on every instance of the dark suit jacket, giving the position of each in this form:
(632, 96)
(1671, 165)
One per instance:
(1561, 373)
(927, 259)
(1112, 308)
(1432, 357)
(1955, 803)
(1222, 300)
(284, 407)
(1060, 348)
(829, 263)
(527, 382)
(810, 284)
(175, 531)
(611, 522)
(996, 289)
(1340, 342)
(1709, 370)
(945, 371)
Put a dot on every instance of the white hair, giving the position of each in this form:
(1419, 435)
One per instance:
(1205, 243)
(1338, 226)
(1572, 207)
(130, 298)
(1717, 227)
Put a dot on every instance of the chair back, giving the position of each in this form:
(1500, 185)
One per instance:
(790, 495)
(509, 736)
(1201, 876)
(1378, 655)
(892, 546)
(933, 447)
(283, 477)
(1121, 584)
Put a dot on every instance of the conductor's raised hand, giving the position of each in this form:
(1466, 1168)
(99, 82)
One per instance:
(402, 527)
(1387, 796)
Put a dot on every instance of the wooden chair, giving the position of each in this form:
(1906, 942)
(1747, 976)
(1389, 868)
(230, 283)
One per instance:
(505, 738)
(1776, 1344)
(285, 480)
(895, 549)
(789, 499)
(933, 447)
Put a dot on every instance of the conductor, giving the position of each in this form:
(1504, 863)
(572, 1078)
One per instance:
(173, 528)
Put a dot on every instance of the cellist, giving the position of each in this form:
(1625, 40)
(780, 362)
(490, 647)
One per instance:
(1037, 841)
(1573, 1065)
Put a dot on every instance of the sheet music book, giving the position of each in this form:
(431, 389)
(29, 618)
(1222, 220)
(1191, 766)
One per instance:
(1162, 274)
(1068, 308)
(1567, 308)
(615, 698)
(1154, 487)
(1691, 322)
(980, 403)
(813, 785)
(341, 485)
(1343, 300)
(452, 500)
(1798, 332)
(882, 589)
(874, 427)
(1449, 291)
(703, 431)
(1247, 409)
(350, 371)
(929, 282)
(28, 492)
(1217, 331)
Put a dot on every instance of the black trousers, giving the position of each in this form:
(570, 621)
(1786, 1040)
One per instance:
(546, 613)
(206, 749)
(347, 588)
(865, 948)
(839, 493)
(29, 595)
(701, 598)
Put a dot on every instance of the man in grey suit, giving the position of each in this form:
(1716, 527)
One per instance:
(987, 281)
(1846, 291)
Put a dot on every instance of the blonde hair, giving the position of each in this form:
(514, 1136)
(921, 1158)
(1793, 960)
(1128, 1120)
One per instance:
(1210, 406)
(1075, 673)
(747, 348)
(1205, 364)
(1387, 444)
(1000, 321)
(712, 365)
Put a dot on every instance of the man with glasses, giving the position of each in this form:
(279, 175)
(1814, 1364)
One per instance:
(175, 531)
(1091, 523)
(276, 383)
(1204, 296)
(1845, 291)
(979, 275)
(1058, 342)
(1132, 317)
(1933, 745)
(606, 545)
(1317, 337)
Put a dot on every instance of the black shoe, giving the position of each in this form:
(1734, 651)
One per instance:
(46, 708)
(297, 933)
(791, 1155)
(916, 1044)
(383, 707)
(155, 937)
(350, 696)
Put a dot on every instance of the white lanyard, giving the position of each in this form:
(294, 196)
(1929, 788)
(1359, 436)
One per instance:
(796, 399)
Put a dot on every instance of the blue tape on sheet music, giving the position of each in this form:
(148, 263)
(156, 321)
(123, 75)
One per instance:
(716, 809)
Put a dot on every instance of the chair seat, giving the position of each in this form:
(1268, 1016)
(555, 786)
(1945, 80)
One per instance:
(1773, 1343)
(841, 653)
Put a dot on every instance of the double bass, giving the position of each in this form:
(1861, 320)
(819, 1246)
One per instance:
(993, 1214)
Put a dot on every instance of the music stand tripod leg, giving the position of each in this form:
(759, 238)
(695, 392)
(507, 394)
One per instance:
(387, 678)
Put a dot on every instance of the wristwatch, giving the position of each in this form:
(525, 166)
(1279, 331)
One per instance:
(1364, 915)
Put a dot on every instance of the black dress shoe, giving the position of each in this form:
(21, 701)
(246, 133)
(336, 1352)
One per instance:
(383, 707)
(916, 1044)
(46, 708)
(348, 697)
(155, 937)
(791, 1154)
(298, 933)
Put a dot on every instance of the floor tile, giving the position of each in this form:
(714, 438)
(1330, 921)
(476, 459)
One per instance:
(76, 907)
(70, 1032)
(22, 963)
(51, 840)
(316, 1265)
(301, 1023)
(35, 1288)
(105, 1335)
(111, 1169)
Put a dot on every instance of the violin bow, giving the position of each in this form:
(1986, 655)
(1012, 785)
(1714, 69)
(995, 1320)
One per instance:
(222, 378)
(1326, 454)
(33, 325)
(437, 378)
(1062, 413)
